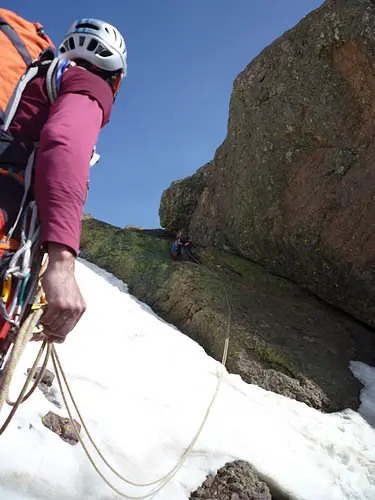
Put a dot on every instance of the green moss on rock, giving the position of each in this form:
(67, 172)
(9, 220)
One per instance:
(281, 338)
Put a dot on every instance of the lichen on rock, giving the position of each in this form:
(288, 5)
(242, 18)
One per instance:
(281, 338)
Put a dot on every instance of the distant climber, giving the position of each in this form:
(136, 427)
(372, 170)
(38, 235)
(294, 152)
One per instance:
(182, 248)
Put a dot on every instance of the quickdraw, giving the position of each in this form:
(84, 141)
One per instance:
(15, 307)
(20, 264)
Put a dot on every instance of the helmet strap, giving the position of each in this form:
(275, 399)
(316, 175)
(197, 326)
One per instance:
(115, 82)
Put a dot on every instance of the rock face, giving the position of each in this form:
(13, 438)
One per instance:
(235, 481)
(281, 338)
(293, 184)
(178, 203)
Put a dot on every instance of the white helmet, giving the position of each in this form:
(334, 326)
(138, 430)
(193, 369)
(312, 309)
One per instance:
(96, 42)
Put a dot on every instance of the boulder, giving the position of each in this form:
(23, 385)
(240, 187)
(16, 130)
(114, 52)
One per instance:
(292, 187)
(47, 379)
(235, 481)
(62, 427)
(179, 202)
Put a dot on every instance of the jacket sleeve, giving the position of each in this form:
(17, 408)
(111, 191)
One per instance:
(61, 169)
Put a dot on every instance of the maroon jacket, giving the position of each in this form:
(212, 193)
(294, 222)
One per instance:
(67, 131)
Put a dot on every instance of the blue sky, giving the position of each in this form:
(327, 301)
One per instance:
(172, 111)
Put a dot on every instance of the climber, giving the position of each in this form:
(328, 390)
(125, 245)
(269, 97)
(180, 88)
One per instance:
(182, 247)
(90, 65)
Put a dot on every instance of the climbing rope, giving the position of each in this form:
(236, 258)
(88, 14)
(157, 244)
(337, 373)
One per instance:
(49, 350)
(164, 480)
(23, 337)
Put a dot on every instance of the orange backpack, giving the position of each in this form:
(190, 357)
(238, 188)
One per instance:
(21, 42)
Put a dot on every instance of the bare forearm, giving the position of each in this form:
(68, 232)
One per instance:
(61, 255)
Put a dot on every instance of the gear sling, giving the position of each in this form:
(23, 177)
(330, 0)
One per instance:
(25, 50)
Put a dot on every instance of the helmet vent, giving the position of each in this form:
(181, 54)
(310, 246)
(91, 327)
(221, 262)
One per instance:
(87, 25)
(100, 49)
(81, 41)
(72, 45)
(92, 45)
(105, 53)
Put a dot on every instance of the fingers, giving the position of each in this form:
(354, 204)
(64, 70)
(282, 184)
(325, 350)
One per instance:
(59, 320)
(65, 302)
(59, 324)
(56, 316)
(53, 338)
(50, 315)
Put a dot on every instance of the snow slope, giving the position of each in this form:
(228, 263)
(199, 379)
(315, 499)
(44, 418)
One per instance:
(143, 388)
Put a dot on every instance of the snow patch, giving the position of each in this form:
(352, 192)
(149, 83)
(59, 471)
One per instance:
(366, 375)
(143, 388)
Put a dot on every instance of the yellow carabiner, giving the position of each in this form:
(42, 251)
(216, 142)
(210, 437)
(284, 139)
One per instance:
(38, 330)
(42, 303)
(7, 287)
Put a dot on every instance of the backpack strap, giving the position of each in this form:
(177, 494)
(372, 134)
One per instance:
(53, 77)
(52, 81)
(17, 94)
(16, 40)
(45, 58)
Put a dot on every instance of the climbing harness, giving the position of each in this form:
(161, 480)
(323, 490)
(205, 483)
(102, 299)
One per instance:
(18, 279)
(49, 352)
(22, 298)
(25, 334)
(21, 255)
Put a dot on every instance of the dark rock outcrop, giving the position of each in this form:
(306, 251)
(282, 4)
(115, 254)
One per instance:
(46, 386)
(178, 203)
(62, 427)
(282, 338)
(47, 379)
(235, 481)
(156, 233)
(293, 184)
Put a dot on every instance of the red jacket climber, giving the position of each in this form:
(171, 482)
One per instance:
(67, 132)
